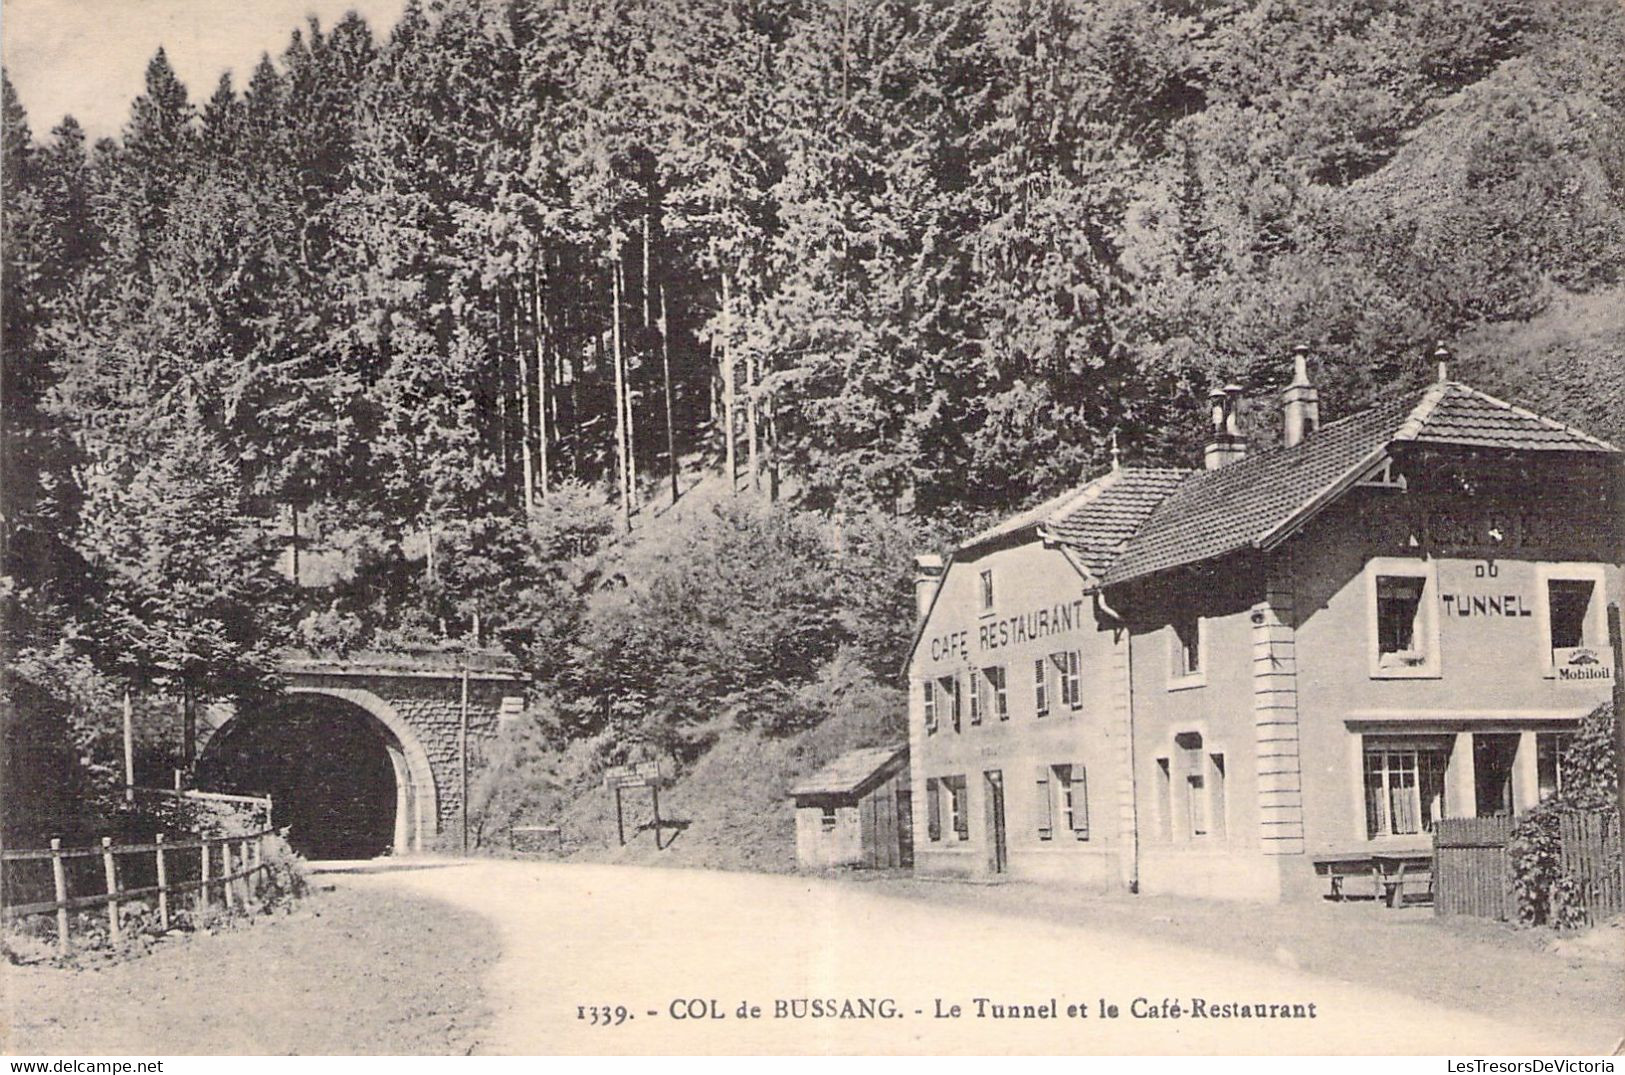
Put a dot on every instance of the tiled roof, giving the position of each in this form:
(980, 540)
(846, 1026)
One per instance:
(1466, 416)
(846, 774)
(1215, 512)
(1096, 527)
(1031, 517)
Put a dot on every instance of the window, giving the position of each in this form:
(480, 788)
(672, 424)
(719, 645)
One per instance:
(1063, 796)
(1549, 750)
(1069, 669)
(1574, 635)
(948, 688)
(998, 699)
(1404, 786)
(933, 809)
(929, 690)
(1040, 688)
(957, 806)
(1187, 646)
(987, 590)
(1399, 603)
(1215, 793)
(975, 693)
(827, 819)
(1570, 604)
(1404, 624)
(1197, 817)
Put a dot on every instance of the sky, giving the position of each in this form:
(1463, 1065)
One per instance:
(87, 58)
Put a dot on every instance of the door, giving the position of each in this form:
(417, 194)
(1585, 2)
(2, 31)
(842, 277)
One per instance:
(997, 851)
(1494, 755)
(905, 827)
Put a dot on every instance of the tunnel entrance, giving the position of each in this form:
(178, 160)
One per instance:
(328, 766)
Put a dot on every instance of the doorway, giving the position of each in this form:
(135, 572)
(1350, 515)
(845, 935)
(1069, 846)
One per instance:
(998, 855)
(905, 827)
(1494, 755)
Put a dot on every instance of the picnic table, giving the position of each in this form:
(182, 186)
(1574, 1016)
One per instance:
(1391, 873)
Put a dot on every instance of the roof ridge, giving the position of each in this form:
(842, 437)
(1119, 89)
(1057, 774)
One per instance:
(1423, 410)
(1087, 494)
(1550, 423)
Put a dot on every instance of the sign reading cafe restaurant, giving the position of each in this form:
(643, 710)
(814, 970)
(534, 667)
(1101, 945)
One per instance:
(1012, 630)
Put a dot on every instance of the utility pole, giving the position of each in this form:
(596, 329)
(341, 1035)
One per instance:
(129, 749)
(462, 750)
(1614, 640)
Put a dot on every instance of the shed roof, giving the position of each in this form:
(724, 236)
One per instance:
(847, 774)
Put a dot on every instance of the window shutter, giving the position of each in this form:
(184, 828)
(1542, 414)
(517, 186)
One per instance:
(933, 810)
(1044, 804)
(930, 705)
(1074, 679)
(1080, 800)
(961, 811)
(1040, 693)
(975, 696)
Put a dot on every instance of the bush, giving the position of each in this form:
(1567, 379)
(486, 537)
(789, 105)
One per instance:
(1545, 893)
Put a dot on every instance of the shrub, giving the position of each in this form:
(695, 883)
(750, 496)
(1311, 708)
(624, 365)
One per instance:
(1546, 894)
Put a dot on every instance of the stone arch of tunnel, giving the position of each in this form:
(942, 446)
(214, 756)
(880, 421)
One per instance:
(347, 775)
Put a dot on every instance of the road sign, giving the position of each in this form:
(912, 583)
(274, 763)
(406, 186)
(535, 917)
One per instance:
(644, 774)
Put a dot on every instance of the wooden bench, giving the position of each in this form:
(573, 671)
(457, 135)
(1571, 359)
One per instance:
(1397, 872)
(1390, 875)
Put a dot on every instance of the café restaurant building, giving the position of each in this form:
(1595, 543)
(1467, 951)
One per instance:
(1225, 681)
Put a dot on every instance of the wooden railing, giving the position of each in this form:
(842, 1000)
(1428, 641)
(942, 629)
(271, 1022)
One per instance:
(232, 866)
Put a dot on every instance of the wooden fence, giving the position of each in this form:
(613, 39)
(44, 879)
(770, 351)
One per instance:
(1473, 869)
(1472, 874)
(1591, 855)
(232, 866)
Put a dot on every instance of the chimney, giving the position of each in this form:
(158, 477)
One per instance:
(1227, 444)
(1300, 403)
(927, 577)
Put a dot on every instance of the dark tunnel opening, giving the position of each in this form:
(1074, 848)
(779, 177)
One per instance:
(325, 767)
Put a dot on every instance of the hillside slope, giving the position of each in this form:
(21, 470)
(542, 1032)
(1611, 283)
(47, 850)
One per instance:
(732, 810)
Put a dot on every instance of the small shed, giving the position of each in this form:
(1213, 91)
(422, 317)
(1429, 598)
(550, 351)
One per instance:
(856, 811)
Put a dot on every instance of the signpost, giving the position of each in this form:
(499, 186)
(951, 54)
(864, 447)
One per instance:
(643, 774)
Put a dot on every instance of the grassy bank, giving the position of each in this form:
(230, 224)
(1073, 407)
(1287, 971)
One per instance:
(348, 973)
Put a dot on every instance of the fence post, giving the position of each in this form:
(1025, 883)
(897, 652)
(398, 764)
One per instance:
(163, 885)
(226, 883)
(203, 889)
(60, 876)
(110, 868)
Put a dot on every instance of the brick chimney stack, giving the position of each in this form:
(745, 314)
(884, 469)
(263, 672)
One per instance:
(1227, 445)
(1300, 402)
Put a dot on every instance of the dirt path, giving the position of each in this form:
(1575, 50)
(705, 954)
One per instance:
(574, 935)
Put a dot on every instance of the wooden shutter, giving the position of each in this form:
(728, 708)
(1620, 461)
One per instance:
(933, 810)
(1040, 691)
(1044, 804)
(1080, 800)
(975, 696)
(961, 809)
(1074, 679)
(930, 705)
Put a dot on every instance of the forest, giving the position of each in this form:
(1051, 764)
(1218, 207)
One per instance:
(646, 340)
